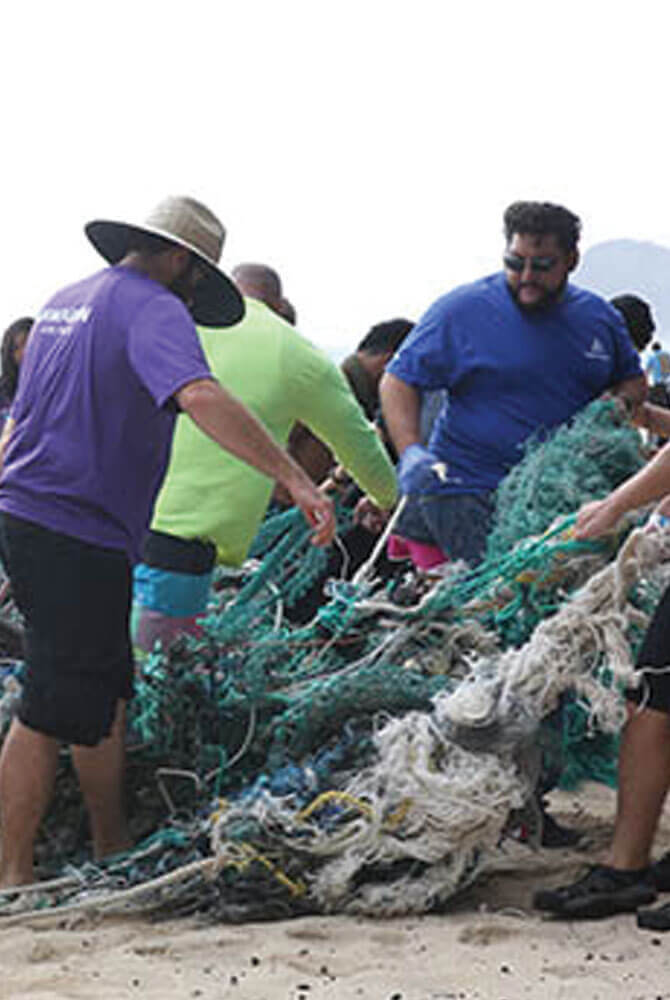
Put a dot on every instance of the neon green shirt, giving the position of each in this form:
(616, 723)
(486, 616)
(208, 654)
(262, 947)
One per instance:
(281, 377)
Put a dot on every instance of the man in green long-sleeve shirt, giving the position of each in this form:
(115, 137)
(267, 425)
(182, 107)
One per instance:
(211, 505)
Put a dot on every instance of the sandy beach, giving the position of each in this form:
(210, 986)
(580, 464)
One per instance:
(490, 945)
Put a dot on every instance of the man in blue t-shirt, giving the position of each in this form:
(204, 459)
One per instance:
(658, 367)
(518, 353)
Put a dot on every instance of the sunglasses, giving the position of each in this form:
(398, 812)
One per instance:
(515, 262)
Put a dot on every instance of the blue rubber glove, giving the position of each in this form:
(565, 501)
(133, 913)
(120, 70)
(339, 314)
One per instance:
(420, 471)
(657, 522)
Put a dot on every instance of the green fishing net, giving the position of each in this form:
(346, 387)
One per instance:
(259, 703)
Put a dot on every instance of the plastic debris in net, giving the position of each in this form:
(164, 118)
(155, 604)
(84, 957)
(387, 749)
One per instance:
(319, 768)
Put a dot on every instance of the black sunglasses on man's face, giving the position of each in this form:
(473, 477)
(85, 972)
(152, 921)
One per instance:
(515, 262)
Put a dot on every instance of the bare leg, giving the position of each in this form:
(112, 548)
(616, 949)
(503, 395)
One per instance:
(644, 778)
(100, 770)
(28, 765)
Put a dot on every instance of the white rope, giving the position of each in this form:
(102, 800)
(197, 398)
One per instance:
(363, 571)
(431, 799)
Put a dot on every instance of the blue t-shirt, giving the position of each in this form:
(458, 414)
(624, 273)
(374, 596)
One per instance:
(658, 368)
(509, 373)
(94, 408)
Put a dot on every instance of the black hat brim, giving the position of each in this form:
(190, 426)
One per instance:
(216, 300)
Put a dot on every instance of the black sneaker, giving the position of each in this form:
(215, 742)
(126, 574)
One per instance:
(657, 919)
(602, 892)
(660, 873)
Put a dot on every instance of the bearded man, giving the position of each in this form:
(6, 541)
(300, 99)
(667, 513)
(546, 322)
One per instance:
(518, 352)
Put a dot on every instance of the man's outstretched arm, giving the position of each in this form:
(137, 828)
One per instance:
(224, 418)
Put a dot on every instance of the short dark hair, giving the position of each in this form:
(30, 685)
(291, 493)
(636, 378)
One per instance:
(258, 281)
(542, 218)
(287, 311)
(9, 375)
(637, 316)
(385, 337)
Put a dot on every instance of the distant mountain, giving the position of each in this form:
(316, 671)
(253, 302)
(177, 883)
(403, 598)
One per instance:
(631, 266)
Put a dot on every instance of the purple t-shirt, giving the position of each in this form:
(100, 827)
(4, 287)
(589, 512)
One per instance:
(94, 408)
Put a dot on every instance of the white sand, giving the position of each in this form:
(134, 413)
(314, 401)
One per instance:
(490, 946)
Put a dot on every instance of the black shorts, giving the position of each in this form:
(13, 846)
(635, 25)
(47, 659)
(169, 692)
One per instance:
(178, 555)
(654, 689)
(75, 601)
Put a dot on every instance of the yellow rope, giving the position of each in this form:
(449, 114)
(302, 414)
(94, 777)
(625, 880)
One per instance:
(397, 815)
(250, 854)
(218, 813)
(335, 796)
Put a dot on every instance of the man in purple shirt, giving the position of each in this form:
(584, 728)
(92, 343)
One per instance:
(111, 361)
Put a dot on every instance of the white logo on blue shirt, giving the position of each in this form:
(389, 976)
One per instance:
(597, 351)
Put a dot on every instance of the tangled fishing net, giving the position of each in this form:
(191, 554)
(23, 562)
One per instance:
(373, 760)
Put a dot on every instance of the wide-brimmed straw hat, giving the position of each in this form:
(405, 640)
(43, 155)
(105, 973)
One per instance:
(190, 224)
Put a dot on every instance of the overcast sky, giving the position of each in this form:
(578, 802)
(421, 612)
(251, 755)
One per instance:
(365, 149)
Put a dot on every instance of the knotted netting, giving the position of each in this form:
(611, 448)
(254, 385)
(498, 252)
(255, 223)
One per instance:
(370, 760)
